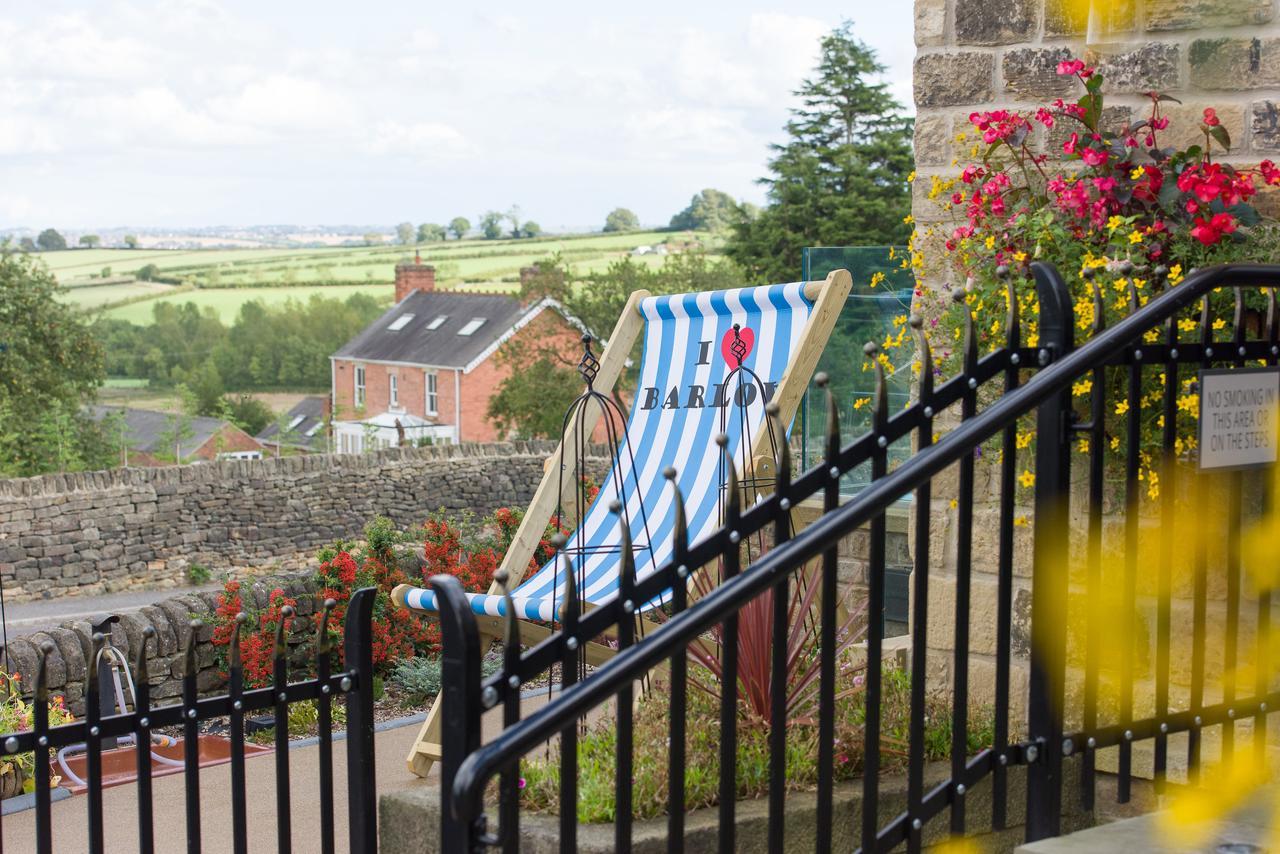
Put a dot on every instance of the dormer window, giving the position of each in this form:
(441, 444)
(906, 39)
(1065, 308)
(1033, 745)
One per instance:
(471, 326)
(437, 322)
(400, 323)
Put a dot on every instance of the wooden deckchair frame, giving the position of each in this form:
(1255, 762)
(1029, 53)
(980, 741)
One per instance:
(829, 297)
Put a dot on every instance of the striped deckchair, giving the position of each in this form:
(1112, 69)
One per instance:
(681, 402)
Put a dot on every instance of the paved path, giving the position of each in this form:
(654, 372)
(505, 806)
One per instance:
(23, 618)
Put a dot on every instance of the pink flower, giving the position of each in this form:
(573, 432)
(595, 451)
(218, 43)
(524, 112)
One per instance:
(1070, 66)
(1093, 156)
(1211, 117)
(1069, 147)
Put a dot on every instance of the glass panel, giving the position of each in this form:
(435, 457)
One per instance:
(471, 326)
(869, 315)
(400, 323)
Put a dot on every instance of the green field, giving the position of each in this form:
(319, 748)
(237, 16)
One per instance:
(227, 301)
(226, 278)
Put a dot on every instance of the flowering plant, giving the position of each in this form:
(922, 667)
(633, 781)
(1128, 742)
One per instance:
(257, 642)
(1117, 212)
(16, 715)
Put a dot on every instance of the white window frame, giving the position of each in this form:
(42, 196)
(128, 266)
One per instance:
(359, 386)
(393, 391)
(433, 393)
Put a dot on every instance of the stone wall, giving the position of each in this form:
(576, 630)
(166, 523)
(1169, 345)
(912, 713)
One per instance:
(171, 619)
(96, 532)
(977, 55)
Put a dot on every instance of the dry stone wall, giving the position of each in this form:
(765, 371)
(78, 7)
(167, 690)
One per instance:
(95, 532)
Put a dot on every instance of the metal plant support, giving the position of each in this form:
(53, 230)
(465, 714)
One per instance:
(1021, 380)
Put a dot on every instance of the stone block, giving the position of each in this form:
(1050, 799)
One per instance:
(1235, 63)
(1148, 67)
(1071, 17)
(1031, 73)
(1264, 126)
(947, 79)
(991, 22)
(932, 140)
(931, 22)
(1199, 14)
(56, 668)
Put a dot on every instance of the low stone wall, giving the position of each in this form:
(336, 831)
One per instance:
(95, 532)
(171, 619)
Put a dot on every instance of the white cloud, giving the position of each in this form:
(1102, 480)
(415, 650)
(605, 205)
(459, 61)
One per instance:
(283, 102)
(421, 140)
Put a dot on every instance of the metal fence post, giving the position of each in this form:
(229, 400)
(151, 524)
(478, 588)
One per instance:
(358, 660)
(460, 705)
(1049, 575)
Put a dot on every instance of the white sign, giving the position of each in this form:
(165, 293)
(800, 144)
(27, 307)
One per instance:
(1238, 411)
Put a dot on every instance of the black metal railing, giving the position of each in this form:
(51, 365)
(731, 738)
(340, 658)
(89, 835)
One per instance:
(354, 682)
(1014, 381)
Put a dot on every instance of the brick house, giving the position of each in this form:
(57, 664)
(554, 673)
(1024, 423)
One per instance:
(427, 365)
(151, 438)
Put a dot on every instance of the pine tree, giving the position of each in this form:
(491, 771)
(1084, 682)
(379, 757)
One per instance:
(841, 177)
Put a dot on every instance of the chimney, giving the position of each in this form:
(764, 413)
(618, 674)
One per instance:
(414, 277)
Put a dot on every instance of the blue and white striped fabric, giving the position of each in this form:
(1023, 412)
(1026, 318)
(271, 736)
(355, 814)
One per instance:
(674, 420)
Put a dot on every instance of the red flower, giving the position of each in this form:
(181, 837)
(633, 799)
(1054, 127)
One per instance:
(1093, 156)
(1211, 117)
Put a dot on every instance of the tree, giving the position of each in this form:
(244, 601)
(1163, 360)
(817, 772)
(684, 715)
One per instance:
(50, 240)
(841, 177)
(205, 391)
(131, 241)
(26, 244)
(531, 402)
(621, 219)
(549, 277)
(90, 241)
(459, 226)
(147, 272)
(51, 365)
(248, 413)
(531, 229)
(710, 210)
(491, 224)
(513, 216)
(429, 232)
(405, 233)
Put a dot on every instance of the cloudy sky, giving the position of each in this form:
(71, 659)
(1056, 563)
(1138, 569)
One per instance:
(205, 112)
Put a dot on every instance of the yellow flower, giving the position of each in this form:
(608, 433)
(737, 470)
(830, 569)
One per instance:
(1151, 336)
(954, 504)
(1190, 404)
(1187, 325)
(1083, 446)
(1122, 407)
(1219, 324)
(908, 219)
(912, 176)
(1175, 274)
(1019, 257)
(1114, 223)
(1153, 485)
(1082, 388)
(861, 402)
(1027, 479)
(1135, 174)
(1020, 521)
(990, 241)
(1023, 440)
(876, 278)
(1135, 236)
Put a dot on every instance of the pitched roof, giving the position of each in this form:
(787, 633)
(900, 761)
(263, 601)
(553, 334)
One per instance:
(303, 425)
(149, 431)
(393, 338)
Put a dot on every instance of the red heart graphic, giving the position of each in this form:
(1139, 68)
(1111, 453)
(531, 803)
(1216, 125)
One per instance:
(748, 339)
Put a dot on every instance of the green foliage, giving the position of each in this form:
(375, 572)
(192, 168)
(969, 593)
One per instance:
(621, 219)
(131, 241)
(597, 751)
(50, 240)
(531, 402)
(419, 678)
(286, 345)
(198, 573)
(51, 364)
(247, 412)
(430, 232)
(841, 176)
(146, 272)
(530, 229)
(459, 226)
(405, 233)
(90, 241)
(710, 210)
(205, 391)
(491, 225)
